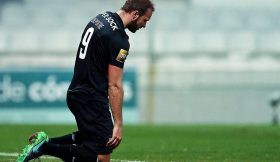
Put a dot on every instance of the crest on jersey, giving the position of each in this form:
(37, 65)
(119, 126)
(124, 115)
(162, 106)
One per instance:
(122, 55)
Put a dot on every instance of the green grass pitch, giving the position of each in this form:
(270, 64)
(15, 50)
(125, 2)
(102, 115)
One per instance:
(193, 143)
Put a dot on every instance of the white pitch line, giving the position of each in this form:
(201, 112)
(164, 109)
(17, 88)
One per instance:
(8, 154)
(117, 160)
(16, 154)
(49, 157)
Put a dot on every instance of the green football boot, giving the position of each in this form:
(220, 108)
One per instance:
(34, 149)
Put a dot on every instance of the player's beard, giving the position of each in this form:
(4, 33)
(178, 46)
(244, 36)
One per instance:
(133, 27)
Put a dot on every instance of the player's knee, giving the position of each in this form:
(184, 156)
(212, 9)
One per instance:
(104, 158)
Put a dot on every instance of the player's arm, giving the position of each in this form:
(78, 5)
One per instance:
(115, 91)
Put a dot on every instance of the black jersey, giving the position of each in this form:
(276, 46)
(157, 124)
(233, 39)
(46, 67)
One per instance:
(104, 41)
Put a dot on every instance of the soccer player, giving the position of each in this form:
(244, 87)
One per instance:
(96, 84)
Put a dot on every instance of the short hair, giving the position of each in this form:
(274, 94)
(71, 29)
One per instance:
(139, 5)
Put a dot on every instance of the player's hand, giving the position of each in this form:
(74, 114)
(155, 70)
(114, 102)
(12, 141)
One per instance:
(32, 137)
(116, 138)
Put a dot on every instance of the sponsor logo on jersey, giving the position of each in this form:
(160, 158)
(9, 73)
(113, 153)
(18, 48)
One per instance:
(122, 55)
(97, 23)
(110, 20)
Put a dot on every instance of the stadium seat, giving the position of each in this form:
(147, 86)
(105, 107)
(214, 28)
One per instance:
(171, 42)
(270, 42)
(24, 41)
(260, 20)
(3, 40)
(210, 41)
(59, 40)
(14, 15)
(230, 19)
(142, 46)
(200, 25)
(241, 41)
(171, 19)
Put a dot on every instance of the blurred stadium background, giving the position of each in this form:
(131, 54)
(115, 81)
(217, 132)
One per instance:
(198, 61)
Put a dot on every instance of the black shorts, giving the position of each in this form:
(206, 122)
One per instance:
(94, 122)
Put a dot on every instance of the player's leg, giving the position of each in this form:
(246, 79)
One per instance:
(95, 125)
(33, 150)
(64, 152)
(103, 130)
(72, 138)
(68, 153)
(66, 139)
(104, 158)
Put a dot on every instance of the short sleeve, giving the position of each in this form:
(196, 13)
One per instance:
(119, 50)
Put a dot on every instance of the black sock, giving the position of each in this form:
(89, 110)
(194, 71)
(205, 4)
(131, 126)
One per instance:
(68, 153)
(66, 139)
(64, 152)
